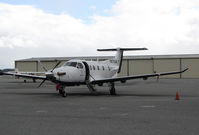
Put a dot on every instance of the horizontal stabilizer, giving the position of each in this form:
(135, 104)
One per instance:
(122, 49)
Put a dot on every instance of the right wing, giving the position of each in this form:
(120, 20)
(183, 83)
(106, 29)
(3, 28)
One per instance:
(144, 76)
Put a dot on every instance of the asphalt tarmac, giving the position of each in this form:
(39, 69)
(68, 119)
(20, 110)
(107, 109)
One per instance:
(139, 108)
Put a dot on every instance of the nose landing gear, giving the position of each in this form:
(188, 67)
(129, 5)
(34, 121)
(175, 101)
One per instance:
(61, 90)
(63, 93)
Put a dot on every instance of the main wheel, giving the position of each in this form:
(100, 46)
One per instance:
(63, 94)
(112, 91)
(34, 80)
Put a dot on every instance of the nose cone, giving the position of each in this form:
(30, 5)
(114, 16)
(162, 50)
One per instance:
(60, 74)
(56, 73)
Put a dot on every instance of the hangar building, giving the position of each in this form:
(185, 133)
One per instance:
(132, 65)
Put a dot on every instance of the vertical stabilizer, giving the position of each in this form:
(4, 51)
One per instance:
(119, 54)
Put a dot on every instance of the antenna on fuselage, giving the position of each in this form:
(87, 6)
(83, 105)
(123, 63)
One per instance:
(119, 54)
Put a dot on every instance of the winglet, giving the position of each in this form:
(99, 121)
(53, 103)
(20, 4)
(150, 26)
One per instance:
(184, 70)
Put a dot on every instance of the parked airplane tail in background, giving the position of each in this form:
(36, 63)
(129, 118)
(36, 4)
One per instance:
(119, 54)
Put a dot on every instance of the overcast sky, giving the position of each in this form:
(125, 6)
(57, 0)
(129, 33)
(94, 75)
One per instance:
(49, 28)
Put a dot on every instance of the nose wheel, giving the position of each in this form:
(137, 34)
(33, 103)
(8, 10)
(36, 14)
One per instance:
(61, 90)
(64, 93)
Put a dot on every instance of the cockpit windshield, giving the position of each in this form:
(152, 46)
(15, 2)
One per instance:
(71, 64)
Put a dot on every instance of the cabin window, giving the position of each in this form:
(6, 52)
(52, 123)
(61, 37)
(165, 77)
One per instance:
(79, 65)
(98, 68)
(93, 67)
(103, 67)
(90, 67)
(71, 64)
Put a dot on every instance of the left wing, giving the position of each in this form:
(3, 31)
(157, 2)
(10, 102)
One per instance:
(144, 76)
(24, 75)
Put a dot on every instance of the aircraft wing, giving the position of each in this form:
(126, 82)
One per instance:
(23, 75)
(144, 76)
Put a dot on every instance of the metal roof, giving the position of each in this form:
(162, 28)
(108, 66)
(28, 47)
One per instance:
(107, 57)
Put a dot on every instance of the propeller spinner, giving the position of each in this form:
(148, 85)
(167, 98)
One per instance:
(49, 75)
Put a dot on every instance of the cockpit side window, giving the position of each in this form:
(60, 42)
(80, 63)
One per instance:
(79, 65)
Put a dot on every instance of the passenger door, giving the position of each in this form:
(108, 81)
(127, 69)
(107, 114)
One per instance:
(81, 70)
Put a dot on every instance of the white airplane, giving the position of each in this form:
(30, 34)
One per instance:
(90, 73)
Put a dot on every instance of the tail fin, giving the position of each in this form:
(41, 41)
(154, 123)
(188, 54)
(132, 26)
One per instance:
(119, 54)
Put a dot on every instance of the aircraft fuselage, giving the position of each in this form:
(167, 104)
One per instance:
(76, 72)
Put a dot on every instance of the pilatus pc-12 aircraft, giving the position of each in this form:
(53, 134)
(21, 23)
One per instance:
(90, 73)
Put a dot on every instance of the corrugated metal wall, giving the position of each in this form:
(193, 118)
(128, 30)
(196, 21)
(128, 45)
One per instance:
(145, 66)
(26, 66)
(140, 67)
(132, 66)
(165, 65)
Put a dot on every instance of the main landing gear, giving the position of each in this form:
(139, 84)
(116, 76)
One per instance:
(91, 87)
(61, 90)
(112, 89)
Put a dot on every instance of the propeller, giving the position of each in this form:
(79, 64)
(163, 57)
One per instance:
(41, 83)
(56, 65)
(48, 76)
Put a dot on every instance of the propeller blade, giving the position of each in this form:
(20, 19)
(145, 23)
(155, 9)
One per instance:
(56, 65)
(41, 83)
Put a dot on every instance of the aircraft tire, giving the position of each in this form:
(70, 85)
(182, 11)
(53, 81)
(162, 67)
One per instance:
(63, 94)
(112, 91)
(34, 80)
